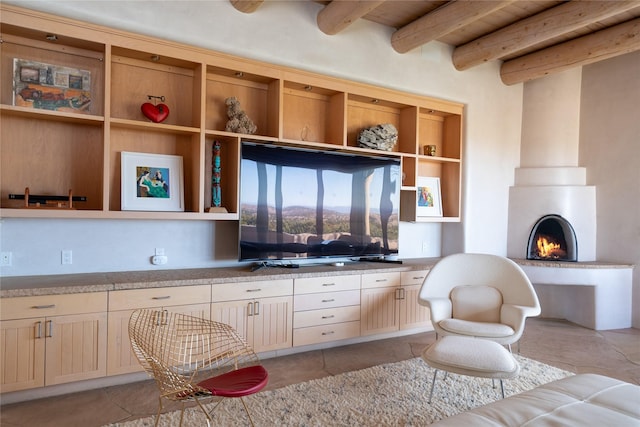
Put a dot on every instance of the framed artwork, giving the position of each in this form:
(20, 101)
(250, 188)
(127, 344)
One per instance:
(51, 87)
(428, 199)
(151, 182)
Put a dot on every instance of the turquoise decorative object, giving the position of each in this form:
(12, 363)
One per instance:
(216, 191)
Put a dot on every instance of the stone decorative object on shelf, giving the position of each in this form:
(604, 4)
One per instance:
(380, 137)
(238, 122)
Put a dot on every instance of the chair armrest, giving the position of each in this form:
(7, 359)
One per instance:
(440, 308)
(515, 315)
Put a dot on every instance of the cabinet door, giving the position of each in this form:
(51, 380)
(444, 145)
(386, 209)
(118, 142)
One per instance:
(21, 354)
(412, 314)
(266, 323)
(120, 357)
(273, 323)
(76, 347)
(237, 315)
(379, 310)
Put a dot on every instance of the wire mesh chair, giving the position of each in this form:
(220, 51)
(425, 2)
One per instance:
(194, 359)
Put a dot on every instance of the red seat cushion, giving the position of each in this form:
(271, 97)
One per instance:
(238, 383)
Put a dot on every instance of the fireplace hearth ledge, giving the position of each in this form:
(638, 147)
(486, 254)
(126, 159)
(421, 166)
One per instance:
(569, 264)
(593, 294)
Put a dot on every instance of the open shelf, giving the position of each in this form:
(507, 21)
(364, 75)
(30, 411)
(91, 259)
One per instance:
(54, 150)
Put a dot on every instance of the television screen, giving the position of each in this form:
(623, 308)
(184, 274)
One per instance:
(300, 203)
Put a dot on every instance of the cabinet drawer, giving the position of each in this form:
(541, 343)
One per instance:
(52, 305)
(252, 290)
(326, 284)
(380, 280)
(158, 297)
(305, 319)
(320, 334)
(408, 278)
(325, 300)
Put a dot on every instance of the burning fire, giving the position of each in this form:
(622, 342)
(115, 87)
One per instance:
(549, 249)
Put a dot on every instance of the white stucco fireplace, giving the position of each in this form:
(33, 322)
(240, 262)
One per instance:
(593, 294)
(550, 182)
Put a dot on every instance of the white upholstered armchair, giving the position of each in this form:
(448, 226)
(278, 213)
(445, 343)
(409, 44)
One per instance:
(479, 295)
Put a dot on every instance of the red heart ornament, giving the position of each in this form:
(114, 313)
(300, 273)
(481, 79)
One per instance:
(155, 113)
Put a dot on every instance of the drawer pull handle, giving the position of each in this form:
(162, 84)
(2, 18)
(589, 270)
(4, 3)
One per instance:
(42, 307)
(38, 329)
(328, 317)
(328, 300)
(328, 284)
(162, 297)
(328, 333)
(50, 327)
(254, 290)
(380, 280)
(418, 278)
(257, 308)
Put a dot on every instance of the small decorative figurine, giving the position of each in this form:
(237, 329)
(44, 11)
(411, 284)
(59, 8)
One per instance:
(155, 112)
(216, 191)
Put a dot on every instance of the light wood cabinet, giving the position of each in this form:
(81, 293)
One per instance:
(52, 340)
(289, 106)
(191, 300)
(380, 305)
(55, 339)
(412, 314)
(390, 302)
(326, 309)
(262, 312)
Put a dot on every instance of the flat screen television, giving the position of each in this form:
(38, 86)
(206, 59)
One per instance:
(299, 203)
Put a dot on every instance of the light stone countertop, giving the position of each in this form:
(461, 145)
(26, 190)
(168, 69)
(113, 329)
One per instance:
(98, 282)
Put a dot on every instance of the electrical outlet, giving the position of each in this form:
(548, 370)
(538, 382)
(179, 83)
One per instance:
(67, 257)
(5, 259)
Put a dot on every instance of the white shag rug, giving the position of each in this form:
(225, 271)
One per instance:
(394, 394)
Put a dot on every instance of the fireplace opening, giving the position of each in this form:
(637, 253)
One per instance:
(552, 238)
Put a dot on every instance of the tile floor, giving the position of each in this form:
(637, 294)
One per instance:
(555, 342)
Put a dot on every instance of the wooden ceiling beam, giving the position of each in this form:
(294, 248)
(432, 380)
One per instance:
(536, 29)
(339, 14)
(450, 17)
(598, 46)
(246, 6)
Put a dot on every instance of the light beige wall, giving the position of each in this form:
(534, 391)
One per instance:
(610, 150)
(285, 32)
(550, 131)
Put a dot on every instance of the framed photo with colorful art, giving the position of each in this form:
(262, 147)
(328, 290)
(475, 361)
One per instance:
(428, 199)
(151, 182)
